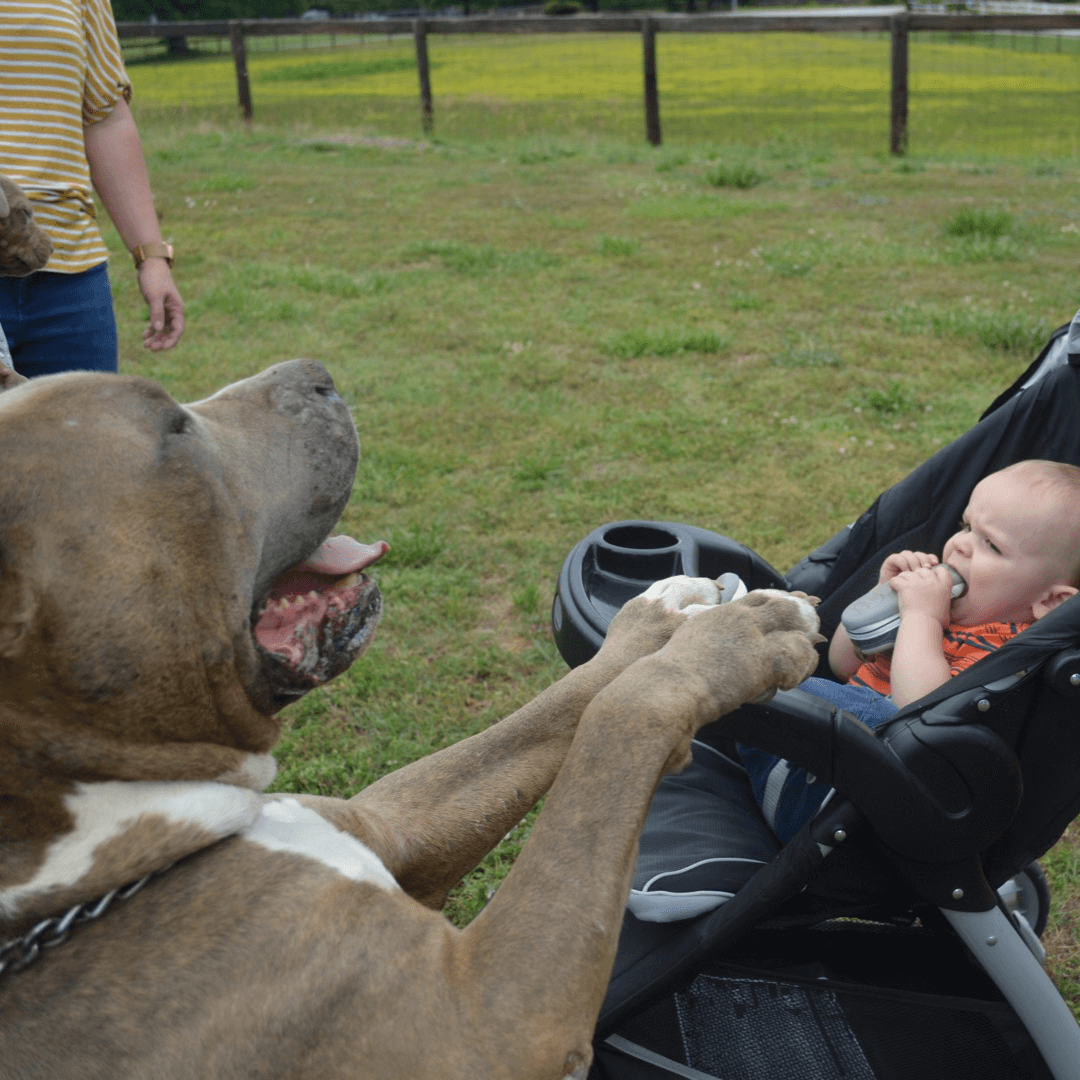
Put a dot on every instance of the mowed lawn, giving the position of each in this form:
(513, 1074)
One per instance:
(543, 324)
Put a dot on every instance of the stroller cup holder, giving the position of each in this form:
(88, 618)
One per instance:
(619, 561)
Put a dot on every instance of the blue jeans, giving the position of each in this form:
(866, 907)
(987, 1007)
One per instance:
(59, 322)
(788, 796)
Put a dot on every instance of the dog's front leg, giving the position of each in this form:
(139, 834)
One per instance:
(547, 940)
(434, 820)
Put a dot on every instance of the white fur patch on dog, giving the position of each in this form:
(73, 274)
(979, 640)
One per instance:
(688, 595)
(287, 825)
(811, 622)
(103, 811)
(256, 772)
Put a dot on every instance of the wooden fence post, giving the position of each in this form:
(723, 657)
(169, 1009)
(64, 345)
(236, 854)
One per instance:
(652, 96)
(426, 112)
(239, 55)
(898, 135)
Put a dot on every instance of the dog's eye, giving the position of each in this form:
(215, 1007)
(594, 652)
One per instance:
(179, 423)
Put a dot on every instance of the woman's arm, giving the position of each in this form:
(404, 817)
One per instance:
(118, 170)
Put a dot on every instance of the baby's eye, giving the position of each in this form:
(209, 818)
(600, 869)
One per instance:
(993, 547)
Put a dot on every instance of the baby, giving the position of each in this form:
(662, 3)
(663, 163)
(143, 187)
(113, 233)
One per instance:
(1018, 549)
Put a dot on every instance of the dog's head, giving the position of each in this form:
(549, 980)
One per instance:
(24, 245)
(164, 581)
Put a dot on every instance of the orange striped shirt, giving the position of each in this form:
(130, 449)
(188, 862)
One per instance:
(61, 69)
(962, 645)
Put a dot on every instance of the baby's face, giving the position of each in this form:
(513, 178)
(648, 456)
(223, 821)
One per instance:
(1005, 551)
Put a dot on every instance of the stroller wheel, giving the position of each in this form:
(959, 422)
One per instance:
(1028, 894)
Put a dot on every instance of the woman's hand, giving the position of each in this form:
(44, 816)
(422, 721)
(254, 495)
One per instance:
(165, 304)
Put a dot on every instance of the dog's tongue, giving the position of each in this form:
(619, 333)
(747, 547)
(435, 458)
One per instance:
(320, 590)
(343, 555)
(338, 557)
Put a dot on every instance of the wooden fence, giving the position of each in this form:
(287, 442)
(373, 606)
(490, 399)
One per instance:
(898, 22)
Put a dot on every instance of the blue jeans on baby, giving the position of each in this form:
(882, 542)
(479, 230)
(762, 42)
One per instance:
(789, 796)
(59, 322)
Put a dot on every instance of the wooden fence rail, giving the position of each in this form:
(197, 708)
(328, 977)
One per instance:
(896, 21)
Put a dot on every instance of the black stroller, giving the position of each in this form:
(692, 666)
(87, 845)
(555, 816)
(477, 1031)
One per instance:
(896, 936)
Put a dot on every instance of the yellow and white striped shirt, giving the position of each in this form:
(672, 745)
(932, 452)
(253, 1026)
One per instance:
(60, 69)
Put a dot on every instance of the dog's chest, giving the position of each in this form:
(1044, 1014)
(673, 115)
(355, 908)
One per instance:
(124, 830)
(284, 824)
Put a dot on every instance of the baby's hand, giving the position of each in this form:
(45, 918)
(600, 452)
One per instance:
(903, 561)
(926, 590)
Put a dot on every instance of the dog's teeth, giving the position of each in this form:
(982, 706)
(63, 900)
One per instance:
(313, 595)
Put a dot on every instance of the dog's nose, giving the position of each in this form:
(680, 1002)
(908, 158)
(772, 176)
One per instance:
(309, 377)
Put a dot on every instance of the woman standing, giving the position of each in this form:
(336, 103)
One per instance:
(65, 127)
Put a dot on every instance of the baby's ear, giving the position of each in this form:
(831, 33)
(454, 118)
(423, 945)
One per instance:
(1056, 594)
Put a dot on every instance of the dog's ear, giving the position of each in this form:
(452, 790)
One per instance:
(18, 606)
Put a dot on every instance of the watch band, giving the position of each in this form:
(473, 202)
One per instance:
(153, 249)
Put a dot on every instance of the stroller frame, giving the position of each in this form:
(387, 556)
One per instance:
(949, 851)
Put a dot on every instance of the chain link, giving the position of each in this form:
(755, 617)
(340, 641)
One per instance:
(20, 953)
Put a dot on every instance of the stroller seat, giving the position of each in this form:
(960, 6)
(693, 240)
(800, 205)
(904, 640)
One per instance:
(876, 943)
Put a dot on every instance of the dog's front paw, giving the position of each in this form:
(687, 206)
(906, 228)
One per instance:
(745, 650)
(647, 622)
(804, 605)
(684, 595)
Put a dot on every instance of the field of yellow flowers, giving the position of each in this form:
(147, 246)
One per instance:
(992, 94)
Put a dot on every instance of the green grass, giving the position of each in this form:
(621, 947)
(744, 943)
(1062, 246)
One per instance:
(543, 324)
(635, 343)
(1005, 329)
(736, 174)
(979, 224)
(617, 245)
(334, 68)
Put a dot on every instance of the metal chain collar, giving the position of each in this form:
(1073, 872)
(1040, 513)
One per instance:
(20, 953)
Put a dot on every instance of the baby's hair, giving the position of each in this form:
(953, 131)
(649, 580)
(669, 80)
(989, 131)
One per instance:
(1062, 483)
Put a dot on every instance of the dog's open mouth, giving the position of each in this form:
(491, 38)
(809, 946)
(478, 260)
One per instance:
(320, 614)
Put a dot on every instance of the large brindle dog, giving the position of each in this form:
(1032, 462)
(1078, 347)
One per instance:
(165, 589)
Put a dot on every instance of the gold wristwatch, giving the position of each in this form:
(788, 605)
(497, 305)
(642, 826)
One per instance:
(155, 249)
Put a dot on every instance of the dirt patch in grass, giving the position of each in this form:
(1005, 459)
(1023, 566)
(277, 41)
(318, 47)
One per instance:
(499, 620)
(381, 142)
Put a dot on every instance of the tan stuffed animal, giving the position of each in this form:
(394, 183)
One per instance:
(24, 246)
